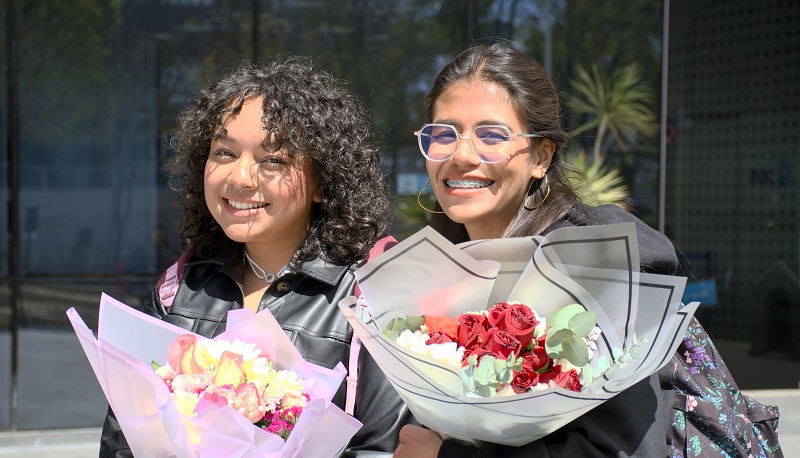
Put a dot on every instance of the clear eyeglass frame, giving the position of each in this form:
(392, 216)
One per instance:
(489, 153)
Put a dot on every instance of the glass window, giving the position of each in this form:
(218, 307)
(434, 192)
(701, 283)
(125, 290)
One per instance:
(732, 180)
(6, 328)
(100, 87)
(54, 373)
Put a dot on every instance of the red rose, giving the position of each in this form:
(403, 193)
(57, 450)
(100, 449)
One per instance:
(520, 323)
(568, 380)
(524, 380)
(501, 343)
(470, 329)
(535, 360)
(437, 337)
(497, 315)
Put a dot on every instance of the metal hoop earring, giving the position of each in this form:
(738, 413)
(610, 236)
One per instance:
(419, 197)
(547, 193)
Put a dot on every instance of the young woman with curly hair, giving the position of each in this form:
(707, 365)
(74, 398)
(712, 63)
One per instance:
(282, 200)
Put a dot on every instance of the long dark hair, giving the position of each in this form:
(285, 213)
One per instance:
(535, 100)
(307, 113)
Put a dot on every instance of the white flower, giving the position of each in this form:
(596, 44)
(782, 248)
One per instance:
(215, 349)
(191, 383)
(284, 388)
(166, 372)
(566, 365)
(414, 341)
(449, 353)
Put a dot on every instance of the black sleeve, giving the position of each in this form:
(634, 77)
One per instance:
(112, 440)
(635, 422)
(380, 409)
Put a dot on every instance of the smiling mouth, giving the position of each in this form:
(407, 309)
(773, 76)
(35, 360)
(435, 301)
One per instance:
(468, 184)
(245, 205)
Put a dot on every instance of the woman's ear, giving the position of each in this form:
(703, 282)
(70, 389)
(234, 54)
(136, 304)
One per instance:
(317, 198)
(542, 157)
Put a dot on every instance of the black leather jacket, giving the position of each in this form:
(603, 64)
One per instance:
(304, 302)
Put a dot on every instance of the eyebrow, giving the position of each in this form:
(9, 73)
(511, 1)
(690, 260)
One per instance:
(483, 122)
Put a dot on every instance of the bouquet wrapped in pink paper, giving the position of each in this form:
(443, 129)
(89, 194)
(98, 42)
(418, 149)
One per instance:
(583, 282)
(247, 392)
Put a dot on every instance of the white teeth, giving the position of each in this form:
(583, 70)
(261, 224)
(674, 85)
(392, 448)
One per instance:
(468, 184)
(245, 205)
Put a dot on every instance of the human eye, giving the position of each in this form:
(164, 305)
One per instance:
(492, 135)
(444, 135)
(273, 161)
(221, 154)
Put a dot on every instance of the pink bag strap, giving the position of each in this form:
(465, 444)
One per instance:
(171, 279)
(355, 344)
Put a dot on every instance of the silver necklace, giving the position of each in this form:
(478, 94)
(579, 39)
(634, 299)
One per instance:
(268, 277)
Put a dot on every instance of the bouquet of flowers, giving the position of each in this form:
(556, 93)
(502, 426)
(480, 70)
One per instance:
(639, 319)
(247, 392)
(222, 373)
(507, 349)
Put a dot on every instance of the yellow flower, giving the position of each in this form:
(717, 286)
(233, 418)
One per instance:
(186, 402)
(229, 371)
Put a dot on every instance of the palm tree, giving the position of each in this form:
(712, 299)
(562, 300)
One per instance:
(616, 104)
(595, 184)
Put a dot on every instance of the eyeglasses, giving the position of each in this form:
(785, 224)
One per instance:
(438, 142)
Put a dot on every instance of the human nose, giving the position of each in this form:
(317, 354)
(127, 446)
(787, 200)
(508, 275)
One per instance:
(244, 174)
(465, 152)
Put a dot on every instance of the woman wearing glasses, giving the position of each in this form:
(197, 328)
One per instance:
(494, 150)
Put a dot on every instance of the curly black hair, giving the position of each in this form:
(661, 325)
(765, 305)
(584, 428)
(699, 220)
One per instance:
(305, 112)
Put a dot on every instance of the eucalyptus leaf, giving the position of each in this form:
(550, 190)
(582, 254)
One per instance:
(414, 322)
(559, 337)
(582, 323)
(616, 352)
(576, 352)
(485, 391)
(603, 363)
(586, 375)
(554, 351)
(561, 318)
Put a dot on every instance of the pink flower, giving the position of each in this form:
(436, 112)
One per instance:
(208, 399)
(248, 402)
(184, 357)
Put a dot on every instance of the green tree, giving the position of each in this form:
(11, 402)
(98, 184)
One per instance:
(618, 103)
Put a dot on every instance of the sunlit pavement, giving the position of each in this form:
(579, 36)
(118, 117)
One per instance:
(83, 443)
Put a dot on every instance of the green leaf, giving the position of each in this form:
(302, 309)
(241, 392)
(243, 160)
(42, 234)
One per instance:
(616, 352)
(603, 363)
(485, 391)
(414, 322)
(554, 351)
(586, 375)
(582, 323)
(561, 318)
(559, 337)
(155, 365)
(576, 352)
